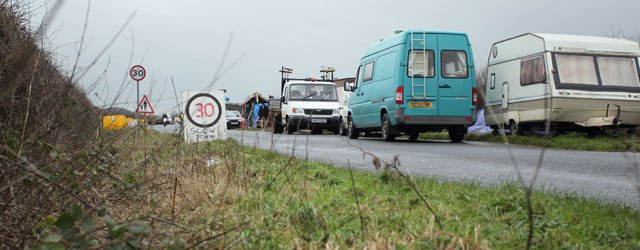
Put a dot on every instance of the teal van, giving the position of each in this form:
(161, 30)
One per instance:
(413, 82)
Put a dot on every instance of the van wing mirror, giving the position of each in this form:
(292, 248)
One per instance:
(282, 99)
(348, 86)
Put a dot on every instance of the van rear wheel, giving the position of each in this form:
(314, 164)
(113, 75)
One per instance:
(456, 134)
(413, 136)
(386, 128)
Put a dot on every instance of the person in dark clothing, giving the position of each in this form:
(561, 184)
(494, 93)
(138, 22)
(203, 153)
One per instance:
(165, 119)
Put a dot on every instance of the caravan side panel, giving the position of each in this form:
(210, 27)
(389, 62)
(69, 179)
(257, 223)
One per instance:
(506, 99)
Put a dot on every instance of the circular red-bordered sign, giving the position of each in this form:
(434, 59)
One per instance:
(203, 110)
(137, 72)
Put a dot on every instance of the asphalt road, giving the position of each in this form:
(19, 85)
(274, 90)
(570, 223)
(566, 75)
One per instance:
(611, 177)
(169, 129)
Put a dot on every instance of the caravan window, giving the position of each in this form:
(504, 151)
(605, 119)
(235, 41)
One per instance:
(618, 71)
(368, 72)
(532, 71)
(418, 64)
(576, 69)
(454, 64)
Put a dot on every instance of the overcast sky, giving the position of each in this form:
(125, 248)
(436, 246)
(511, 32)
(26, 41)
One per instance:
(187, 39)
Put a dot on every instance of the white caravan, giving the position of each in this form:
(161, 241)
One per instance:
(579, 83)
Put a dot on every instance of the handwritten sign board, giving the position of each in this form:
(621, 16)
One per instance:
(204, 116)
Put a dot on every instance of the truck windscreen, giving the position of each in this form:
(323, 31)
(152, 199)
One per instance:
(313, 92)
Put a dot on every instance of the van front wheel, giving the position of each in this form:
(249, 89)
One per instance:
(352, 131)
(386, 128)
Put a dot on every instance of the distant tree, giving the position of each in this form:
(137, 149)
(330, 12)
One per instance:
(621, 34)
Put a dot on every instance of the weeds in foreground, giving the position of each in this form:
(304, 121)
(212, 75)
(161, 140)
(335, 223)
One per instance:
(221, 194)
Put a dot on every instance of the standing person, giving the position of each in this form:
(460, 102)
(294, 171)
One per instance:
(256, 114)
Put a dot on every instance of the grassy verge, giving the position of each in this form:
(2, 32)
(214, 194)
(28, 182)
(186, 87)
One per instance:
(278, 201)
(575, 141)
(222, 194)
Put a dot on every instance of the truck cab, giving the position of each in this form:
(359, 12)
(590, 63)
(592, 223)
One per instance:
(308, 104)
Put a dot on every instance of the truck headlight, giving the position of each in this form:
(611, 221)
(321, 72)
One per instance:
(298, 110)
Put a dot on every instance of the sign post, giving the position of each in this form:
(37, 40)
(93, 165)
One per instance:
(138, 73)
(205, 116)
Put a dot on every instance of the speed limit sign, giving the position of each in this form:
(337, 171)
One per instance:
(203, 110)
(137, 72)
(204, 116)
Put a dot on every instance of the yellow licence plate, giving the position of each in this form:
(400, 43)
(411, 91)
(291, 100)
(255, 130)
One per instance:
(420, 104)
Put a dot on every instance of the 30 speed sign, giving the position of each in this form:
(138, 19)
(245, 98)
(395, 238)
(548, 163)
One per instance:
(137, 72)
(203, 110)
(204, 117)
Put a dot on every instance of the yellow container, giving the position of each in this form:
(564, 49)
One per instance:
(114, 121)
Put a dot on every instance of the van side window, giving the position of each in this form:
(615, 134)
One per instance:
(368, 72)
(418, 64)
(454, 64)
(532, 70)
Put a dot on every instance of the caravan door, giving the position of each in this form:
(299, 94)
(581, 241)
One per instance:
(505, 95)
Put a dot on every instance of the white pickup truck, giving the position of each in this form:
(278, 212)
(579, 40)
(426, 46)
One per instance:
(307, 104)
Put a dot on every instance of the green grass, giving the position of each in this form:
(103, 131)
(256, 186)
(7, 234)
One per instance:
(312, 205)
(575, 141)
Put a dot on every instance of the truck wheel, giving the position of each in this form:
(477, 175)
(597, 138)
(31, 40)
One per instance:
(456, 134)
(341, 128)
(352, 131)
(413, 136)
(290, 127)
(277, 126)
(386, 128)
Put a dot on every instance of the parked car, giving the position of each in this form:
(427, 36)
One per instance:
(234, 119)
